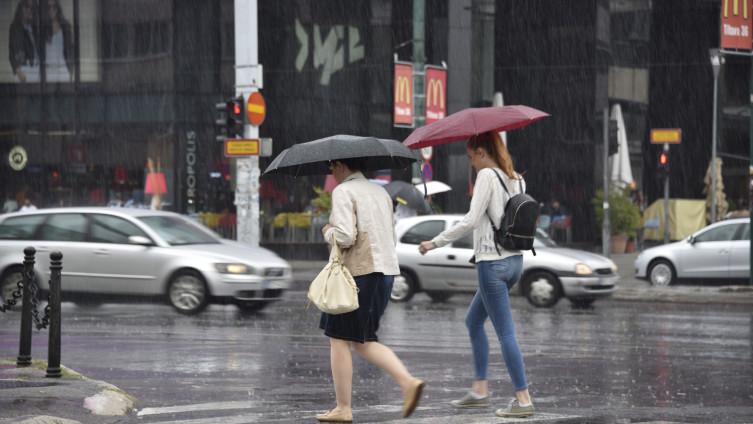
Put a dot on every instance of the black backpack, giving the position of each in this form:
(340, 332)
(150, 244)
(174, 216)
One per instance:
(518, 226)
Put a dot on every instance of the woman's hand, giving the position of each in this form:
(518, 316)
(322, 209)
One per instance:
(325, 228)
(425, 246)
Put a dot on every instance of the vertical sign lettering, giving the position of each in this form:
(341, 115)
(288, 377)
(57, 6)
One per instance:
(736, 24)
(436, 93)
(403, 100)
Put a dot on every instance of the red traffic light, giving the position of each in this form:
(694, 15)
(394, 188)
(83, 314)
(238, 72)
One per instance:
(236, 109)
(663, 159)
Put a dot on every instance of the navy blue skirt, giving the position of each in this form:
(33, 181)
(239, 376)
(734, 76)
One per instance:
(362, 324)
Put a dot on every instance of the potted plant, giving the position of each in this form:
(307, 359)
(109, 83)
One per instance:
(624, 217)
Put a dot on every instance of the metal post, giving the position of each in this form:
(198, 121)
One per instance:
(24, 347)
(247, 80)
(666, 198)
(605, 230)
(419, 61)
(716, 62)
(53, 347)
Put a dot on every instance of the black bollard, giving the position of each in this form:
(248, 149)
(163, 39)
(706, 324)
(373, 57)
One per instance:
(24, 347)
(53, 348)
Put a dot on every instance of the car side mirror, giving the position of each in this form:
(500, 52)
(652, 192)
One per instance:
(691, 240)
(140, 240)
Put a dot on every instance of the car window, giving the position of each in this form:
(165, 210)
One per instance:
(744, 233)
(423, 231)
(111, 229)
(720, 233)
(20, 227)
(64, 227)
(177, 231)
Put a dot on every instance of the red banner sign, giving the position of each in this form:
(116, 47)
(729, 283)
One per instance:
(403, 100)
(436, 93)
(736, 24)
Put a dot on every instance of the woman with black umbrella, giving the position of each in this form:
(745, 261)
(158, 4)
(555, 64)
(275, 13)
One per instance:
(361, 223)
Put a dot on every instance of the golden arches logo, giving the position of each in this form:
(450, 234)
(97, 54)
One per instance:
(435, 93)
(736, 8)
(402, 89)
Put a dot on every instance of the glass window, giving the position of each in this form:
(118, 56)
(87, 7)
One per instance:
(178, 231)
(111, 229)
(421, 232)
(64, 227)
(721, 233)
(21, 227)
(744, 234)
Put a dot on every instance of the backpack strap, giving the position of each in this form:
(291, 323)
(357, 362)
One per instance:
(491, 221)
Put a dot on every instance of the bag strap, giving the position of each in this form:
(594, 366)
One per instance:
(335, 254)
(494, 227)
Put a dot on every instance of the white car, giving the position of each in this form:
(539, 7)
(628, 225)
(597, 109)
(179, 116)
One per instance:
(123, 253)
(554, 272)
(720, 251)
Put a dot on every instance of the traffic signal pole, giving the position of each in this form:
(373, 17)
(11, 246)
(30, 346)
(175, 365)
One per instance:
(247, 80)
(605, 224)
(666, 196)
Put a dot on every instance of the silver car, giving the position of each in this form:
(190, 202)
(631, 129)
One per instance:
(554, 272)
(137, 253)
(720, 251)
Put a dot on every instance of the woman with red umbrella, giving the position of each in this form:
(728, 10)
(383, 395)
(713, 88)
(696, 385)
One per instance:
(498, 270)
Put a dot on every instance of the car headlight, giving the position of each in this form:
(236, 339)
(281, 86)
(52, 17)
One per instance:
(234, 269)
(583, 269)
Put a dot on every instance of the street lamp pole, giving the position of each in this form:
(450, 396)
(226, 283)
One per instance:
(716, 62)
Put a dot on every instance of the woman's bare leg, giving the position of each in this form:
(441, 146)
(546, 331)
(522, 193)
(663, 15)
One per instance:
(383, 357)
(341, 363)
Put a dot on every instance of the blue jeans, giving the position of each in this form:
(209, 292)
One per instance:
(492, 300)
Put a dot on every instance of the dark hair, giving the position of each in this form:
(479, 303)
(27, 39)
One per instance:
(19, 10)
(354, 164)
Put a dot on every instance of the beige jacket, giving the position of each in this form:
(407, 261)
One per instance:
(363, 226)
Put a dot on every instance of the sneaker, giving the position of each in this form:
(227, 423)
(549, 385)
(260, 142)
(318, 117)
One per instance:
(471, 400)
(514, 410)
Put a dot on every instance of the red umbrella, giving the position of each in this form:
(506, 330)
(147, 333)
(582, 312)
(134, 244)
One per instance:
(469, 122)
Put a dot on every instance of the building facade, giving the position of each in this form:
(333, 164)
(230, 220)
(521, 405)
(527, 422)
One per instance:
(93, 89)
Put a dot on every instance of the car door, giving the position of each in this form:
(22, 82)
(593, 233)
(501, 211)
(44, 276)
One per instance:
(458, 272)
(424, 265)
(739, 258)
(122, 267)
(708, 254)
(66, 233)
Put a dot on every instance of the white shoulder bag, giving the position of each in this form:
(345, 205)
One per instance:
(334, 290)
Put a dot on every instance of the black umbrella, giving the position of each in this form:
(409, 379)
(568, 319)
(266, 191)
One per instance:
(408, 195)
(313, 157)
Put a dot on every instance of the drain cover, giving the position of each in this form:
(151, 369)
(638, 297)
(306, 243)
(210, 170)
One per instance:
(19, 384)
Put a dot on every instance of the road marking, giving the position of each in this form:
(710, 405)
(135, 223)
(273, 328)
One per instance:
(487, 418)
(219, 406)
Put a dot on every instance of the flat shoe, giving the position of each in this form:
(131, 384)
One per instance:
(412, 396)
(335, 416)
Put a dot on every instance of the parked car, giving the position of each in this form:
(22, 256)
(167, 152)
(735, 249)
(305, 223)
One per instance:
(124, 254)
(720, 251)
(554, 272)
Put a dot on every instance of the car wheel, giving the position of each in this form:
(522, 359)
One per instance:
(251, 306)
(187, 292)
(439, 296)
(403, 288)
(542, 289)
(9, 284)
(661, 273)
(582, 303)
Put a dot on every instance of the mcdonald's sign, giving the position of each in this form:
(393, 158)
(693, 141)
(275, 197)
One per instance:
(403, 100)
(736, 24)
(436, 93)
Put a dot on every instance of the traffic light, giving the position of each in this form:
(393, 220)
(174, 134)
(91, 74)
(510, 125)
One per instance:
(613, 143)
(663, 163)
(229, 120)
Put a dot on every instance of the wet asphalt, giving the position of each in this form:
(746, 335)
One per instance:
(618, 362)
